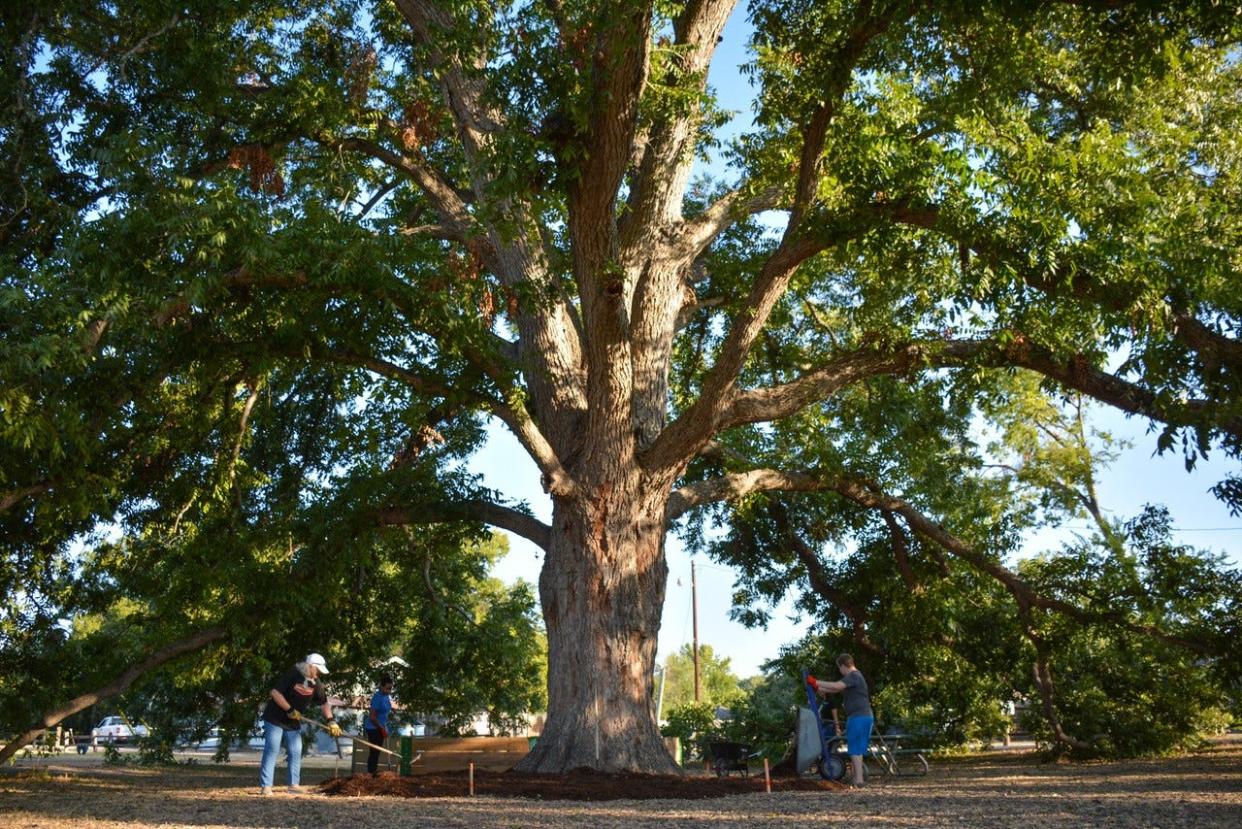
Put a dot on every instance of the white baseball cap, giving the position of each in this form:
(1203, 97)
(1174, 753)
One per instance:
(317, 660)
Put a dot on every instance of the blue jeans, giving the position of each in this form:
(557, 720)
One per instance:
(273, 735)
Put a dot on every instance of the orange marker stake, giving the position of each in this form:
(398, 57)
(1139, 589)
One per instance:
(767, 776)
(472, 779)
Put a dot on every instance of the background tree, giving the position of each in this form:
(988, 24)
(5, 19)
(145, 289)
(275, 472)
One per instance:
(391, 220)
(496, 663)
(718, 685)
(1090, 634)
(696, 723)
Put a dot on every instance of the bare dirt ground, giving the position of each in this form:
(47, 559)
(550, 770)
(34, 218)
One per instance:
(1008, 791)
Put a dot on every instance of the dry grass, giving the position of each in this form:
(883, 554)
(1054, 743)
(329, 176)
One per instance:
(1202, 791)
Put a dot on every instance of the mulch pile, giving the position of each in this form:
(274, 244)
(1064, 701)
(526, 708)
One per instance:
(576, 785)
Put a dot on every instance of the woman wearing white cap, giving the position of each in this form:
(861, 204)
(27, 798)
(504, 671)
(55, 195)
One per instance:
(295, 692)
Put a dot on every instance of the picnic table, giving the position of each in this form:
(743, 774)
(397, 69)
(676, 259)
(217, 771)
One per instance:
(886, 752)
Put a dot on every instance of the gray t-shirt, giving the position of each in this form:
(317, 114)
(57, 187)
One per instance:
(857, 702)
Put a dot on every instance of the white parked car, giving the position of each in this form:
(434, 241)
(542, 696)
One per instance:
(212, 741)
(116, 730)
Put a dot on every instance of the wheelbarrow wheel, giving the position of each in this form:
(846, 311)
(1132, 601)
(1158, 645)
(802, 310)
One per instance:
(832, 767)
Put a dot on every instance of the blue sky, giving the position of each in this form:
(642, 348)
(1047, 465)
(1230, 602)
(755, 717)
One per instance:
(1134, 479)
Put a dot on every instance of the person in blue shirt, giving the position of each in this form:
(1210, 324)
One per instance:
(377, 721)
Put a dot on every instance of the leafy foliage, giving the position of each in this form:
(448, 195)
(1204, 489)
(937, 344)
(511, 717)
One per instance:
(266, 267)
(695, 725)
(1131, 694)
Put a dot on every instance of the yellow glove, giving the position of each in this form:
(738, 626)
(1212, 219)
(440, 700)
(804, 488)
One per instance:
(294, 715)
(334, 729)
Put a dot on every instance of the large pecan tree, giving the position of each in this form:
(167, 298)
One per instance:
(398, 218)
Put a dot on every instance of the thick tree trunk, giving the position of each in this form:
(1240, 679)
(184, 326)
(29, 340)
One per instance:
(602, 589)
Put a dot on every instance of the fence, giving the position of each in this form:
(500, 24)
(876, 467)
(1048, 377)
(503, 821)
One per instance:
(446, 753)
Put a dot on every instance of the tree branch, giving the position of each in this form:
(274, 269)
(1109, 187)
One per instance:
(867, 497)
(696, 235)
(617, 75)
(776, 402)
(739, 484)
(506, 518)
(555, 479)
(683, 438)
(453, 210)
(735, 486)
(432, 25)
(867, 27)
(433, 387)
(901, 552)
(686, 436)
(14, 496)
(1069, 280)
(668, 152)
(1041, 672)
(551, 361)
(119, 685)
(820, 583)
(1076, 372)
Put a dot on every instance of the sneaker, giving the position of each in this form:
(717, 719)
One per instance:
(297, 790)
(264, 791)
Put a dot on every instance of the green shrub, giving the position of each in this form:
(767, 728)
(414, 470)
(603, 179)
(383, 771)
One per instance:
(695, 725)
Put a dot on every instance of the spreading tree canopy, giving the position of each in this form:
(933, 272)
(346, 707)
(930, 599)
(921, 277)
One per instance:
(270, 265)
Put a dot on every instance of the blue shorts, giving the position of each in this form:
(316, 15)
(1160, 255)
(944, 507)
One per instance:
(858, 735)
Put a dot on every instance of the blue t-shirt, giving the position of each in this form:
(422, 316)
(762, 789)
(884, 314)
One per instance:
(381, 704)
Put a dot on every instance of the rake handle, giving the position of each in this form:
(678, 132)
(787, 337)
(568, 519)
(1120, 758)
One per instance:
(352, 737)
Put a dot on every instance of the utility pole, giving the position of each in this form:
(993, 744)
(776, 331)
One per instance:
(694, 602)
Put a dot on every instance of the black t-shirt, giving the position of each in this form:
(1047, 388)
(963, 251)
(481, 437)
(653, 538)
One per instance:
(300, 693)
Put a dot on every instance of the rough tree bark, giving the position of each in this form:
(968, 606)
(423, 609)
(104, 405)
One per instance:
(602, 589)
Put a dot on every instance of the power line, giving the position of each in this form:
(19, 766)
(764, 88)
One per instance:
(1171, 529)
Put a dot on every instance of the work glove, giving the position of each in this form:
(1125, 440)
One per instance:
(293, 714)
(383, 732)
(812, 681)
(334, 729)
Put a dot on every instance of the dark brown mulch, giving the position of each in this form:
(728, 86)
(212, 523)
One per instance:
(576, 785)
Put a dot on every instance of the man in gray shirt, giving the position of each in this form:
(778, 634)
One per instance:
(857, 705)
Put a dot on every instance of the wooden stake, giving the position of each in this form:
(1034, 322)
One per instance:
(472, 779)
(767, 776)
